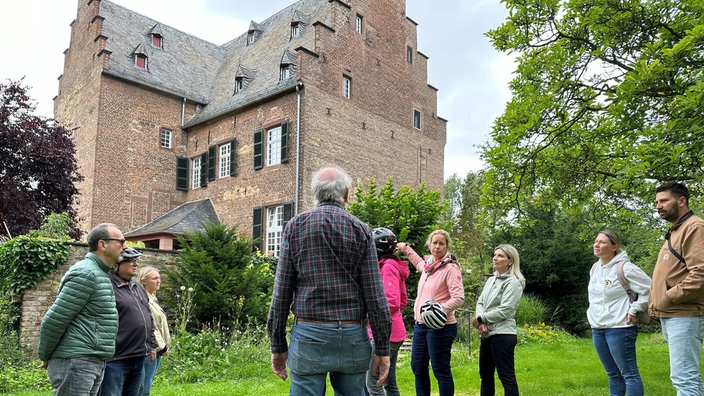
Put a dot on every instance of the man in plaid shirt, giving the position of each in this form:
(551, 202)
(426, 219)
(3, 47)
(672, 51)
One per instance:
(328, 276)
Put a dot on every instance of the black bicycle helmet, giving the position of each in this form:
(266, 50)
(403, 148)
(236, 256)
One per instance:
(130, 254)
(385, 240)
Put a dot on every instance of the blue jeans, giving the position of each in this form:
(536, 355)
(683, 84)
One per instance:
(149, 373)
(616, 348)
(316, 349)
(433, 347)
(124, 377)
(684, 340)
(389, 387)
(80, 375)
(496, 353)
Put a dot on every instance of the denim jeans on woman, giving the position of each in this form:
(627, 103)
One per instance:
(616, 348)
(433, 347)
(496, 353)
(149, 373)
(684, 340)
(389, 387)
(316, 349)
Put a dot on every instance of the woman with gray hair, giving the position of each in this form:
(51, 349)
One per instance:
(151, 280)
(612, 315)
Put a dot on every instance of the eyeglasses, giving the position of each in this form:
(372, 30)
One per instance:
(122, 241)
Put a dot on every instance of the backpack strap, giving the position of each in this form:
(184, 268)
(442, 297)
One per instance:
(674, 252)
(624, 282)
(669, 232)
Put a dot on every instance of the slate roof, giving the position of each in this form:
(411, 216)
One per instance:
(186, 218)
(190, 67)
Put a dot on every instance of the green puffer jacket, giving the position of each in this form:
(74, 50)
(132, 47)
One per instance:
(83, 319)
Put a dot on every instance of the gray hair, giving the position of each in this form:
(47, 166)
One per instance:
(101, 231)
(331, 184)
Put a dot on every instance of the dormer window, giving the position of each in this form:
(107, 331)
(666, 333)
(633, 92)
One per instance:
(286, 72)
(239, 84)
(140, 60)
(156, 40)
(251, 37)
(295, 30)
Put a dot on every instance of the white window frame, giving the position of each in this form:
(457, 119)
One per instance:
(239, 84)
(251, 37)
(295, 30)
(225, 156)
(417, 119)
(273, 146)
(195, 173)
(165, 140)
(359, 23)
(346, 87)
(285, 72)
(274, 229)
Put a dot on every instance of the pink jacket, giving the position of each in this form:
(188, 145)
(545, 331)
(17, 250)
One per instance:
(394, 274)
(443, 285)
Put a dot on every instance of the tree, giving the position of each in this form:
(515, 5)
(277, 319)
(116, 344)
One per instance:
(463, 196)
(229, 286)
(608, 99)
(38, 169)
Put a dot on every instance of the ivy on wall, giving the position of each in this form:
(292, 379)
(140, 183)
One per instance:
(25, 261)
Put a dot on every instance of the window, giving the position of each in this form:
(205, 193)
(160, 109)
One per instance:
(285, 72)
(274, 228)
(273, 146)
(182, 173)
(358, 24)
(295, 29)
(156, 40)
(276, 219)
(416, 118)
(346, 87)
(276, 146)
(239, 84)
(140, 60)
(251, 37)
(225, 158)
(195, 172)
(165, 138)
(409, 54)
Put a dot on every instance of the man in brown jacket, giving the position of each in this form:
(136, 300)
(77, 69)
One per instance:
(677, 291)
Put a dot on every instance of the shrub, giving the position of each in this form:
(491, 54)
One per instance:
(26, 261)
(541, 334)
(531, 310)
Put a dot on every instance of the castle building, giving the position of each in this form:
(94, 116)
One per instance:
(164, 119)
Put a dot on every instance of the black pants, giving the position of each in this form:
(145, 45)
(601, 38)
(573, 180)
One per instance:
(497, 353)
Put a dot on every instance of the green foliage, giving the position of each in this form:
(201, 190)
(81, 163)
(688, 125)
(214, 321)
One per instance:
(56, 226)
(531, 311)
(540, 333)
(230, 287)
(25, 261)
(607, 101)
(468, 229)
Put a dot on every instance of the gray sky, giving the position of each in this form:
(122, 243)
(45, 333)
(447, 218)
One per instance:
(471, 76)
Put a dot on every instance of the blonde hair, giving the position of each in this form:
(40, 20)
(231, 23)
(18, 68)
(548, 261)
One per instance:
(144, 272)
(512, 254)
(439, 232)
(613, 237)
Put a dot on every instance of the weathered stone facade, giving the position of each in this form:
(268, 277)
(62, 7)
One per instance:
(120, 110)
(36, 301)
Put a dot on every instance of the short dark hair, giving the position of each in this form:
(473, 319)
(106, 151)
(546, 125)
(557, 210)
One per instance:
(676, 189)
(97, 233)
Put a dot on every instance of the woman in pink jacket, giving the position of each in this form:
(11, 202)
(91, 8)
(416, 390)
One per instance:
(394, 273)
(441, 282)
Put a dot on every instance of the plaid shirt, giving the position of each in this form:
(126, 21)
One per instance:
(328, 271)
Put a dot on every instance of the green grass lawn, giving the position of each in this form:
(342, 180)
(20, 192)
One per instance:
(553, 368)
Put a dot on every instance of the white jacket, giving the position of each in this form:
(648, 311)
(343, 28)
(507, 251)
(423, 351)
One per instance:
(608, 301)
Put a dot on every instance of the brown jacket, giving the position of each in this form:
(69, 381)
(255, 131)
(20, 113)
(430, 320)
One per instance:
(678, 289)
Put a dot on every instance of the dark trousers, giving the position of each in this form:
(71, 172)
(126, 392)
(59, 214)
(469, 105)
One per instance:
(497, 353)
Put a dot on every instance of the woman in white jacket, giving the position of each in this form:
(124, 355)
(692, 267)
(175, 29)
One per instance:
(613, 317)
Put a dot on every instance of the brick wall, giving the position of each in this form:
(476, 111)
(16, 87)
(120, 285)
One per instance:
(36, 302)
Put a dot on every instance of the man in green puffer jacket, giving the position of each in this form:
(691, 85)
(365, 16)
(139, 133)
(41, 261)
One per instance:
(77, 334)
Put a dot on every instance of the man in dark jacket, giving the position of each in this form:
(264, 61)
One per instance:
(77, 334)
(124, 374)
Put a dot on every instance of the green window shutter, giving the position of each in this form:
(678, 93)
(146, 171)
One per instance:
(258, 158)
(284, 142)
(233, 157)
(182, 173)
(204, 169)
(288, 213)
(212, 162)
(257, 227)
